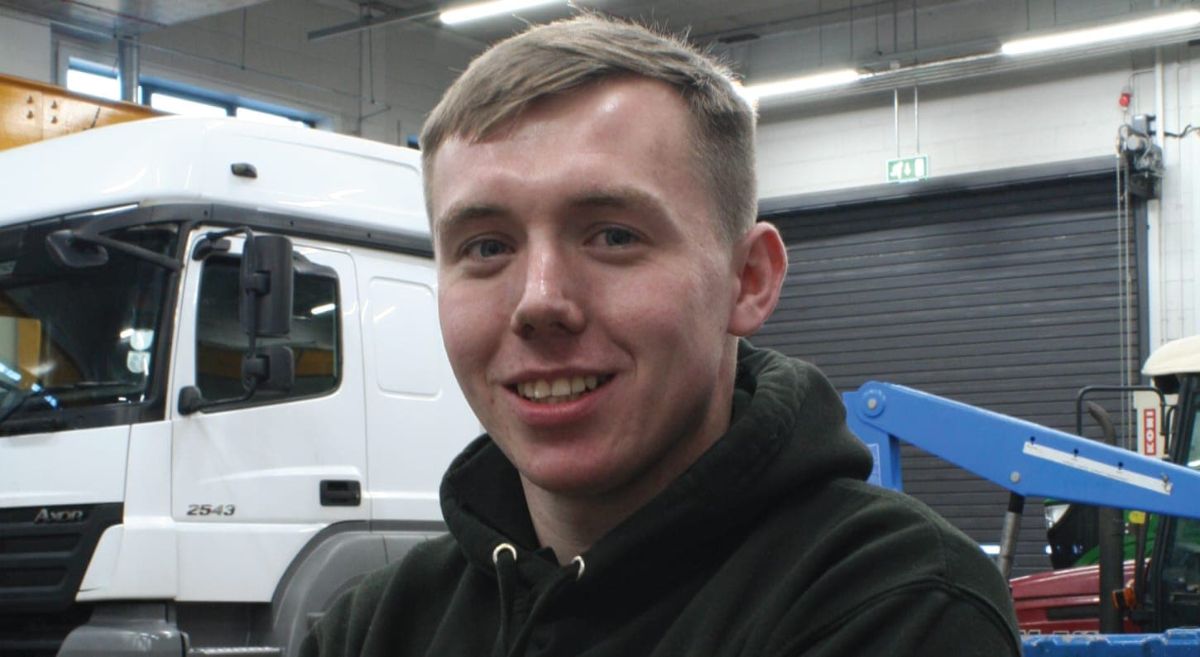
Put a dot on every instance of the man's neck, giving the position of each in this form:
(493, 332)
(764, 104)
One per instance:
(571, 524)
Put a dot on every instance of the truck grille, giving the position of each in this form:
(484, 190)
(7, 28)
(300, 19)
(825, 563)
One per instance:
(39, 635)
(44, 552)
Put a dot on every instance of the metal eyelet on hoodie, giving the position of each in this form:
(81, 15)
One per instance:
(503, 547)
(582, 565)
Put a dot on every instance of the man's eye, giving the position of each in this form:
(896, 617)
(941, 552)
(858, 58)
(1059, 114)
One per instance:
(617, 237)
(486, 248)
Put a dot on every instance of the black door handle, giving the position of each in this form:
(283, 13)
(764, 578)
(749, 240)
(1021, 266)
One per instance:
(340, 492)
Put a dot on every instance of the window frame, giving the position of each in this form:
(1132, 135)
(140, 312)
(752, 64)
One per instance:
(152, 407)
(257, 400)
(149, 85)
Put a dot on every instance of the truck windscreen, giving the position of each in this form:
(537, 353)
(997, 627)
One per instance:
(77, 338)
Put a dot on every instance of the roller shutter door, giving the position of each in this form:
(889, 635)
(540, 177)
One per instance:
(1005, 298)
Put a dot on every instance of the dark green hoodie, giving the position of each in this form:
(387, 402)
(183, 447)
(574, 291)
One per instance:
(769, 545)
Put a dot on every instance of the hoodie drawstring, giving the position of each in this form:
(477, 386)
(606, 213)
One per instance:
(504, 558)
(506, 572)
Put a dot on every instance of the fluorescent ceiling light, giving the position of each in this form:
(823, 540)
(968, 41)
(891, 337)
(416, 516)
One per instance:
(485, 9)
(1118, 31)
(755, 92)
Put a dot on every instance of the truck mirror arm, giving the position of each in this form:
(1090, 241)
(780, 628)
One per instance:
(65, 247)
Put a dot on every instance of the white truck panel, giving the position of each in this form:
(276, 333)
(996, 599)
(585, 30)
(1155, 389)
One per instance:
(237, 562)
(148, 495)
(351, 185)
(104, 562)
(84, 466)
(417, 417)
(400, 307)
(154, 163)
(138, 559)
(134, 561)
(173, 159)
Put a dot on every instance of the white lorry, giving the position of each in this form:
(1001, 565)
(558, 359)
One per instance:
(183, 470)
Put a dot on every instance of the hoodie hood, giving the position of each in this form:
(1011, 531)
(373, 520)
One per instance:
(770, 544)
(787, 432)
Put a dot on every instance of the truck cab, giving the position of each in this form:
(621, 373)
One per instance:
(149, 499)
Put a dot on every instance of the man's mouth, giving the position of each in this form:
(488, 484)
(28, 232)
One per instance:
(558, 391)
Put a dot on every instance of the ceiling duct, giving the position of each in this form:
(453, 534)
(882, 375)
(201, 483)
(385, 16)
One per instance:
(123, 17)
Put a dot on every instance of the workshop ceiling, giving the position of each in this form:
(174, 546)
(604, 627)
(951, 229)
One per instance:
(704, 20)
(123, 17)
(708, 20)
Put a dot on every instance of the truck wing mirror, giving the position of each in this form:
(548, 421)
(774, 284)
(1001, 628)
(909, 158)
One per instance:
(273, 367)
(266, 282)
(264, 310)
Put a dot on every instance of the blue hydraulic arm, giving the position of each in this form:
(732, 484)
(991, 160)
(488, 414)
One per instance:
(1023, 457)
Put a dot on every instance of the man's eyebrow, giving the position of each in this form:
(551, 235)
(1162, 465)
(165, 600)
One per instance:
(465, 213)
(617, 198)
(599, 198)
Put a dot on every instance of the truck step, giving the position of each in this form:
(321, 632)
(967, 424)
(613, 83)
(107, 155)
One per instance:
(247, 651)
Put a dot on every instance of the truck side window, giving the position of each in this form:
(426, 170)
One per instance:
(315, 338)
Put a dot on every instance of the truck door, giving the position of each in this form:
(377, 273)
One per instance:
(252, 482)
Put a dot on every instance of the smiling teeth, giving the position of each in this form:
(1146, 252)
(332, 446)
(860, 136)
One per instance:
(558, 390)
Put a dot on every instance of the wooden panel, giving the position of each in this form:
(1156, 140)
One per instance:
(32, 111)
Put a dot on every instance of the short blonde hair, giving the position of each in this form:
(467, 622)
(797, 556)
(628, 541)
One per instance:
(558, 57)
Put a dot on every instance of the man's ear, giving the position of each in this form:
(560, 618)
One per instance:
(760, 263)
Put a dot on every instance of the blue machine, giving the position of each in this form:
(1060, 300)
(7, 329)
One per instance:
(1021, 456)
(1172, 643)
(1029, 459)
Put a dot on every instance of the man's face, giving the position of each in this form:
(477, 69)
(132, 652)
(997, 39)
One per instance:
(585, 295)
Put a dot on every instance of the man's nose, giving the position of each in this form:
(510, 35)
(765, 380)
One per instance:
(548, 304)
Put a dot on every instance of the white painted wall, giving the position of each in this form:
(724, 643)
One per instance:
(25, 47)
(1047, 114)
(1044, 116)
(1178, 272)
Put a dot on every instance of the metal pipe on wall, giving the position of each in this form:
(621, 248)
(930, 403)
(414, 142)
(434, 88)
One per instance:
(896, 117)
(916, 119)
(128, 68)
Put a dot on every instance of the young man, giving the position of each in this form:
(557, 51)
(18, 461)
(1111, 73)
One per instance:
(649, 484)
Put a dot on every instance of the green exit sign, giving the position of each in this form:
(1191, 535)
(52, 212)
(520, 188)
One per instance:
(906, 169)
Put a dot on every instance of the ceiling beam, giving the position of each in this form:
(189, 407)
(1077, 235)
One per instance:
(389, 15)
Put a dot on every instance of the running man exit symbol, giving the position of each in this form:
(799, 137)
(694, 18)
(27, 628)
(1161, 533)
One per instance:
(907, 169)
